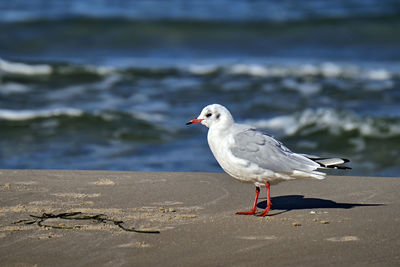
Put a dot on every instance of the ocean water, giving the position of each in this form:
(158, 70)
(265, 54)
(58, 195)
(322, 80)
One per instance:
(110, 84)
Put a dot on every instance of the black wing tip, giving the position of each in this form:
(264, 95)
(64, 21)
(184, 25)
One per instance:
(345, 160)
(317, 158)
(336, 167)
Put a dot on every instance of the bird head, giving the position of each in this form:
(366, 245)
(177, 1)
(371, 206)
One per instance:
(212, 115)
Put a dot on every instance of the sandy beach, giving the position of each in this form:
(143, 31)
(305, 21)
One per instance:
(107, 218)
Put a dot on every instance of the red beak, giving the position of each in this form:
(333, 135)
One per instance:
(194, 121)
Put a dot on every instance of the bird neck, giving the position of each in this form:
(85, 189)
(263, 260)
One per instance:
(222, 127)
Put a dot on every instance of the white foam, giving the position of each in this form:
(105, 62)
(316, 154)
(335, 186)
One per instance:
(250, 69)
(305, 88)
(202, 69)
(283, 123)
(335, 122)
(150, 117)
(324, 69)
(378, 74)
(309, 69)
(330, 69)
(17, 115)
(24, 69)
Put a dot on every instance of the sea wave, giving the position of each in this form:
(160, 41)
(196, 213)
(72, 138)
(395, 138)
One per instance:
(24, 68)
(20, 115)
(135, 112)
(324, 69)
(265, 68)
(101, 125)
(40, 69)
(335, 122)
(105, 115)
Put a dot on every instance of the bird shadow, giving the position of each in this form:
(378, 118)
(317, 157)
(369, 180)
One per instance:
(299, 202)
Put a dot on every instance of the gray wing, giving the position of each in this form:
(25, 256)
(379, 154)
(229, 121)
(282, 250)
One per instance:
(268, 153)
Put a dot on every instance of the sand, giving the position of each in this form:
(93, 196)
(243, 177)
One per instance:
(336, 221)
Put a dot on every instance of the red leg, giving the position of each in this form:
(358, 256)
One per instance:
(254, 209)
(265, 212)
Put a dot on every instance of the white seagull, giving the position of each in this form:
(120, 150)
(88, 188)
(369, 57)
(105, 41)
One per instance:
(254, 157)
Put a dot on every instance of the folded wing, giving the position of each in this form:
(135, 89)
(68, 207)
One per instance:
(268, 153)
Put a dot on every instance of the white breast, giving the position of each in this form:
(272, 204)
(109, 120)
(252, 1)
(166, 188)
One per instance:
(243, 170)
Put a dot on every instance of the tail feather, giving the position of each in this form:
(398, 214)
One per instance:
(330, 163)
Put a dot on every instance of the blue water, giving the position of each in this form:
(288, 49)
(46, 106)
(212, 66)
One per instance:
(110, 84)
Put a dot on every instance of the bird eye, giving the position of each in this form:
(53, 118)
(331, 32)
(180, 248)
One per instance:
(208, 115)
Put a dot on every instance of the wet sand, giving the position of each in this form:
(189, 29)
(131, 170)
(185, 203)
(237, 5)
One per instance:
(91, 218)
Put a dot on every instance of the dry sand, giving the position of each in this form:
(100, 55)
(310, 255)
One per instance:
(336, 221)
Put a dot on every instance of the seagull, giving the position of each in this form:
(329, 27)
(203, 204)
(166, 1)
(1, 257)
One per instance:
(252, 156)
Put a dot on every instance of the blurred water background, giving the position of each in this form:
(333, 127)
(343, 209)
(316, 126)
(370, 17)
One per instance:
(109, 85)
